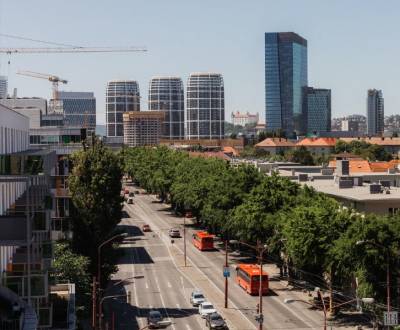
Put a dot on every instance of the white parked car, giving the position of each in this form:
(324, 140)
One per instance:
(206, 308)
(197, 297)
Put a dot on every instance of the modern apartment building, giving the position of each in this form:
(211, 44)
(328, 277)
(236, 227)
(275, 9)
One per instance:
(143, 128)
(243, 119)
(121, 96)
(318, 108)
(26, 251)
(285, 79)
(205, 106)
(375, 112)
(79, 109)
(167, 94)
(3, 87)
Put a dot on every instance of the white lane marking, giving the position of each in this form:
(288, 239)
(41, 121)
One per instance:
(179, 306)
(169, 285)
(183, 287)
(147, 286)
(165, 239)
(143, 214)
(162, 299)
(139, 318)
(188, 327)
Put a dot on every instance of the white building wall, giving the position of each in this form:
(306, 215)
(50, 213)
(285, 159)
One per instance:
(14, 137)
(14, 131)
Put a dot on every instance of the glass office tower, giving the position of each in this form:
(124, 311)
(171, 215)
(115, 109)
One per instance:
(375, 112)
(166, 94)
(121, 96)
(318, 105)
(205, 110)
(79, 109)
(285, 80)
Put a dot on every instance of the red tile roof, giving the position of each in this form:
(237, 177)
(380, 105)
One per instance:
(364, 166)
(317, 142)
(275, 142)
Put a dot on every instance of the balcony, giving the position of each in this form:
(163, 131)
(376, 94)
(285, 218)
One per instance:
(19, 284)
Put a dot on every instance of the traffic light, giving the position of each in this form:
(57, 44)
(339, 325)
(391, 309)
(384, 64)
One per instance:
(129, 298)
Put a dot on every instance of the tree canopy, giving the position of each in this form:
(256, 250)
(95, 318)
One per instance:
(314, 232)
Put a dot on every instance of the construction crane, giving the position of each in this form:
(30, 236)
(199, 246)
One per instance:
(69, 50)
(55, 80)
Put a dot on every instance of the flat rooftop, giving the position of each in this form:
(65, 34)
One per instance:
(356, 193)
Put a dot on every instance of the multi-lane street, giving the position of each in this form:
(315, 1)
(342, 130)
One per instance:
(161, 282)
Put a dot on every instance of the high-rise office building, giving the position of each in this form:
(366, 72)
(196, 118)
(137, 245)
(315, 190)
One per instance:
(205, 111)
(285, 80)
(121, 96)
(375, 112)
(78, 109)
(318, 108)
(3, 87)
(166, 94)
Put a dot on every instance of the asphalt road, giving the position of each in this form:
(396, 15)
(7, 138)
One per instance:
(153, 280)
(162, 283)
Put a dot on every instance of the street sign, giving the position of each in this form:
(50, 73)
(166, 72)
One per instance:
(259, 318)
(227, 272)
(390, 318)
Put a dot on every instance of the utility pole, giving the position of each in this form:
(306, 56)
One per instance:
(260, 288)
(226, 278)
(184, 238)
(94, 289)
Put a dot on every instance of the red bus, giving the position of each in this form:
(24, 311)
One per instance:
(248, 277)
(203, 240)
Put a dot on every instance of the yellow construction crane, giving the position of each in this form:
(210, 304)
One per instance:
(55, 80)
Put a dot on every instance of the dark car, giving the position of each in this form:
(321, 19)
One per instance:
(215, 321)
(153, 319)
(131, 194)
(146, 228)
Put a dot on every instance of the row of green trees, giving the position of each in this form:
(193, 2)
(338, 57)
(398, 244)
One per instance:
(313, 233)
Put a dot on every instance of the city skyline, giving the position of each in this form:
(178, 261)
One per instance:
(342, 57)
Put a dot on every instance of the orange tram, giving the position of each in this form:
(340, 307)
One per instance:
(248, 277)
(203, 240)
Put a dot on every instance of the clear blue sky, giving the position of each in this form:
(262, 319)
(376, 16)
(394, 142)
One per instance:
(353, 45)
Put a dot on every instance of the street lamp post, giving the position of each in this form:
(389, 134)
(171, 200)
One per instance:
(99, 255)
(387, 268)
(101, 305)
(97, 286)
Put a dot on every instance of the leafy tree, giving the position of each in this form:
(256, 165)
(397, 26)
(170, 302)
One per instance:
(255, 219)
(73, 268)
(301, 155)
(95, 186)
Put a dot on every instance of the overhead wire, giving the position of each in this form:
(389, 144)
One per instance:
(11, 36)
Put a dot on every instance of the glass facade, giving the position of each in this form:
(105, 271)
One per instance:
(167, 94)
(318, 105)
(375, 112)
(205, 106)
(77, 108)
(285, 80)
(121, 96)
